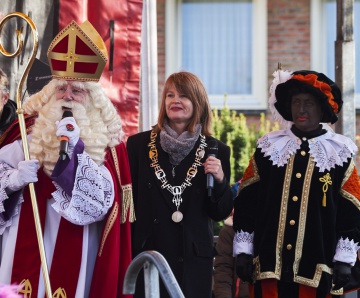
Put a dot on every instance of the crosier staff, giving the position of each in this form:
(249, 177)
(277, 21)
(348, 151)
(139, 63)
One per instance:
(20, 113)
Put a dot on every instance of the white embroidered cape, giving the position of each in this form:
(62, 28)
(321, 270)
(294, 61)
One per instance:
(327, 150)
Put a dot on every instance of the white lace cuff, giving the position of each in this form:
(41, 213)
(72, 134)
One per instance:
(243, 243)
(4, 183)
(5, 171)
(346, 251)
(92, 196)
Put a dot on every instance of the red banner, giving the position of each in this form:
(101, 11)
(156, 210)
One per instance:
(121, 76)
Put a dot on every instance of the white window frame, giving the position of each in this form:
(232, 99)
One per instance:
(318, 39)
(259, 98)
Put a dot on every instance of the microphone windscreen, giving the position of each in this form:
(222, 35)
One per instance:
(66, 114)
(212, 148)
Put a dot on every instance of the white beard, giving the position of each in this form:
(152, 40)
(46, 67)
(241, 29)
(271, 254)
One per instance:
(44, 144)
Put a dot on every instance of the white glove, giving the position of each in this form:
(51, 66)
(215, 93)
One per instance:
(24, 174)
(73, 135)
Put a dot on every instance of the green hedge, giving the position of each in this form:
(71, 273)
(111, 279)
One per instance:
(232, 128)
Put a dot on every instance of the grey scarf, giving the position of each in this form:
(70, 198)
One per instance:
(178, 146)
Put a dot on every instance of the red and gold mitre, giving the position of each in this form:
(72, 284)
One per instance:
(77, 53)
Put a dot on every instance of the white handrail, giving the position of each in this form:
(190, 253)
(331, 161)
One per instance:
(154, 264)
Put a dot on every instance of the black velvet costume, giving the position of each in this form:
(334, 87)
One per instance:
(299, 208)
(8, 115)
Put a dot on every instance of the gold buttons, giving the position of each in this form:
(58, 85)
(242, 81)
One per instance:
(303, 153)
(292, 222)
(289, 247)
(295, 198)
(298, 175)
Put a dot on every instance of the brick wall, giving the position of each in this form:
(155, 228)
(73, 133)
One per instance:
(288, 34)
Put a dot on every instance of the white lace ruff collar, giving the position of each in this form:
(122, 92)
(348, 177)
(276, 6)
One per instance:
(327, 150)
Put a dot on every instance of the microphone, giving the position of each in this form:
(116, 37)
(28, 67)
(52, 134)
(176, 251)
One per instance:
(211, 151)
(64, 140)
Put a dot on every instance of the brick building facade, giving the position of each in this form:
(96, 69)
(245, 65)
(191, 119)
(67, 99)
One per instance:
(288, 42)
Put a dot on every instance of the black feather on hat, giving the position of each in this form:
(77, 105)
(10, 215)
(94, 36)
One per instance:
(317, 84)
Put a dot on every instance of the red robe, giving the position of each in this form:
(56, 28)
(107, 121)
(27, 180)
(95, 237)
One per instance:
(12, 133)
(114, 247)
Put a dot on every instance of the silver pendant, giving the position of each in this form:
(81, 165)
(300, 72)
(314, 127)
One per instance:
(177, 216)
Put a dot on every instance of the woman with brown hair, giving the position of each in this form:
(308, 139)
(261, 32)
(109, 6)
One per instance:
(175, 197)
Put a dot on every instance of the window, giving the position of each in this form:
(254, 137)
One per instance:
(323, 49)
(222, 43)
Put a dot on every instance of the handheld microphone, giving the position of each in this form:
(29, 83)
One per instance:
(64, 140)
(211, 151)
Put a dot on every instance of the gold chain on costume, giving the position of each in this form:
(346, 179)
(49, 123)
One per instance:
(176, 191)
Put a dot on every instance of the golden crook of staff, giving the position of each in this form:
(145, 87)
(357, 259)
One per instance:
(20, 113)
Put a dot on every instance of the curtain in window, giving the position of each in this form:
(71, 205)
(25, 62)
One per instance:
(217, 44)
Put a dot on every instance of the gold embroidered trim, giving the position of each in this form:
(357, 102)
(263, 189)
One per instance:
(108, 225)
(351, 198)
(127, 203)
(343, 192)
(320, 268)
(283, 213)
(281, 228)
(348, 173)
(263, 275)
(25, 288)
(60, 293)
(302, 222)
(299, 279)
(337, 292)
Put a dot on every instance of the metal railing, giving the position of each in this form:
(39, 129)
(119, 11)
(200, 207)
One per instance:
(154, 264)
